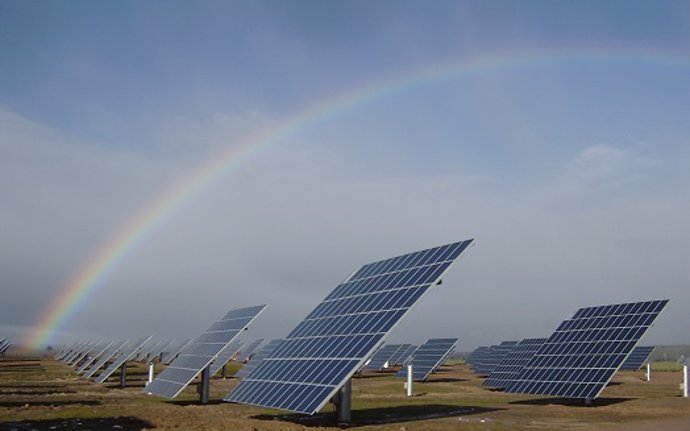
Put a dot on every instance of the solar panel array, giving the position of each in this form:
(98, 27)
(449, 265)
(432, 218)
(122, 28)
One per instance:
(514, 362)
(248, 350)
(332, 343)
(492, 359)
(175, 351)
(201, 352)
(121, 360)
(225, 355)
(380, 358)
(259, 356)
(4, 345)
(104, 358)
(581, 356)
(428, 357)
(93, 358)
(637, 358)
(402, 354)
(477, 356)
(158, 350)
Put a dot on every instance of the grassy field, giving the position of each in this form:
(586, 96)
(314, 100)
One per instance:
(47, 395)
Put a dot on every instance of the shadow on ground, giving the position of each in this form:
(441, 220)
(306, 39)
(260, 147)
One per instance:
(571, 402)
(92, 424)
(48, 403)
(380, 416)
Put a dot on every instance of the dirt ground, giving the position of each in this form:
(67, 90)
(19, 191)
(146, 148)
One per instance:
(48, 395)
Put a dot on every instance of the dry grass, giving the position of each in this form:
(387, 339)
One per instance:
(47, 395)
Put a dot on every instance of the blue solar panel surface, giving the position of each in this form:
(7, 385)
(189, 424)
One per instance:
(428, 357)
(514, 362)
(637, 358)
(226, 355)
(256, 359)
(335, 339)
(581, 356)
(248, 350)
(491, 359)
(403, 354)
(380, 358)
(201, 352)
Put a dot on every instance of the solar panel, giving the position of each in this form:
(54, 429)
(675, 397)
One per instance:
(76, 352)
(477, 355)
(581, 356)
(428, 357)
(85, 353)
(444, 359)
(175, 351)
(105, 357)
(492, 359)
(246, 352)
(259, 356)
(201, 352)
(380, 358)
(225, 355)
(323, 352)
(637, 358)
(514, 362)
(93, 358)
(126, 355)
(403, 353)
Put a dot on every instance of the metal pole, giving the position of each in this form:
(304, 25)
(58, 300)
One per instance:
(223, 372)
(151, 371)
(409, 379)
(685, 379)
(648, 374)
(203, 385)
(123, 375)
(344, 406)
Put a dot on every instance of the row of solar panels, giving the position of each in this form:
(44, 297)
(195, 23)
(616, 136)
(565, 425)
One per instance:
(578, 359)
(426, 359)
(4, 346)
(319, 356)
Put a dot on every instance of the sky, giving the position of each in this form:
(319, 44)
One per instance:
(555, 134)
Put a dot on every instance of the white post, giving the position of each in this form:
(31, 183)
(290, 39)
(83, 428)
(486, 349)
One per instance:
(685, 379)
(409, 379)
(648, 374)
(150, 379)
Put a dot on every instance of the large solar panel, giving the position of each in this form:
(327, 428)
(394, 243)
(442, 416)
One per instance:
(402, 354)
(492, 359)
(380, 358)
(121, 360)
(428, 357)
(341, 333)
(105, 357)
(637, 358)
(225, 355)
(201, 352)
(259, 356)
(581, 356)
(512, 364)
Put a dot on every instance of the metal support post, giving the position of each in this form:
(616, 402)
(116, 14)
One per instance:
(151, 371)
(409, 379)
(223, 373)
(343, 406)
(685, 379)
(648, 373)
(123, 375)
(203, 385)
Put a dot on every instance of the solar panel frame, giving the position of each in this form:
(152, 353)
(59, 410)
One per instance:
(262, 353)
(637, 358)
(333, 342)
(122, 359)
(584, 353)
(200, 353)
(428, 357)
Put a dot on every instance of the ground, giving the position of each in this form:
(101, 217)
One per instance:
(47, 395)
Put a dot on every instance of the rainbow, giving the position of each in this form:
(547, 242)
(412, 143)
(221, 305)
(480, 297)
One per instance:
(113, 253)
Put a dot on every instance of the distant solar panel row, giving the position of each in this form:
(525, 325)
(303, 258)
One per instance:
(321, 353)
(404, 354)
(637, 358)
(121, 360)
(380, 358)
(97, 354)
(514, 362)
(201, 352)
(428, 357)
(104, 358)
(581, 356)
(225, 355)
(493, 357)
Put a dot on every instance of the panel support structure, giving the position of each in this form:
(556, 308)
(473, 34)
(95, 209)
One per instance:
(203, 385)
(123, 375)
(648, 373)
(343, 402)
(409, 379)
(685, 379)
(151, 371)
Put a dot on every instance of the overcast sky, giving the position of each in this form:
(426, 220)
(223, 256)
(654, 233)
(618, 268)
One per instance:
(567, 159)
